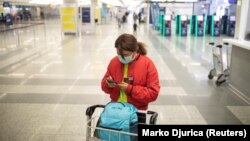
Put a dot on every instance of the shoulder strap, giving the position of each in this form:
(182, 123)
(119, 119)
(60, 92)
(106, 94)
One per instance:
(125, 71)
(123, 97)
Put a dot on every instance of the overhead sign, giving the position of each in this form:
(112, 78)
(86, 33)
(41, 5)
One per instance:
(86, 14)
(232, 1)
(68, 17)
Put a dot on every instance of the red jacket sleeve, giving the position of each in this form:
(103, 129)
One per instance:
(148, 93)
(104, 85)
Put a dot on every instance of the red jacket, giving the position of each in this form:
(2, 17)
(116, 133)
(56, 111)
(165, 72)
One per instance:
(145, 85)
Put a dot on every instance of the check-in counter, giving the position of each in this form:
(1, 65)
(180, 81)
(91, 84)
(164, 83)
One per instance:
(239, 79)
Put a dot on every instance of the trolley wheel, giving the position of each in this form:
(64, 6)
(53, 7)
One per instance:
(221, 79)
(218, 83)
(211, 74)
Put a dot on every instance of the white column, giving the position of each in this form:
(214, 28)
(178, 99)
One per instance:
(89, 28)
(241, 21)
(238, 15)
(92, 15)
(148, 14)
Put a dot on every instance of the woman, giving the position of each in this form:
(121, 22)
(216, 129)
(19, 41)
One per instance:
(131, 76)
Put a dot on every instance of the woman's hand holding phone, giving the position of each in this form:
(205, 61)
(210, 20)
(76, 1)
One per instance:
(123, 85)
(110, 82)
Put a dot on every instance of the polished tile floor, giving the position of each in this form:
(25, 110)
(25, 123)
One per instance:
(47, 80)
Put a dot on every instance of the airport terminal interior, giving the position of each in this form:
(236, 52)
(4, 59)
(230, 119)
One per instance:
(53, 61)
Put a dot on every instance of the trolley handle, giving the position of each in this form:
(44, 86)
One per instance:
(211, 43)
(90, 110)
(219, 46)
(153, 117)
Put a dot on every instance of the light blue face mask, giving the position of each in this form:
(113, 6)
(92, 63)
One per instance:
(126, 59)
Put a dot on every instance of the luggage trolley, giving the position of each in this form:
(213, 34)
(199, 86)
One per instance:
(92, 123)
(219, 69)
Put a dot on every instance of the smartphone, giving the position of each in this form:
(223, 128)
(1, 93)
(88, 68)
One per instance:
(111, 81)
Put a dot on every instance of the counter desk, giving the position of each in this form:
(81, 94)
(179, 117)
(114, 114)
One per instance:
(239, 79)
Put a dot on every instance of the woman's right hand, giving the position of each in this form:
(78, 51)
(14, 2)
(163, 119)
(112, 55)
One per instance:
(110, 83)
